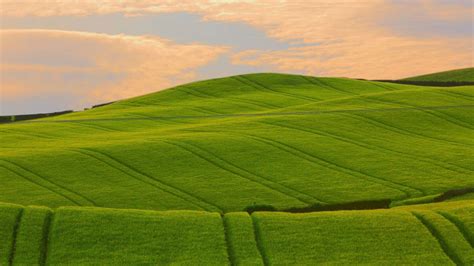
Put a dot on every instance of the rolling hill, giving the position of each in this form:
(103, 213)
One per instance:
(441, 234)
(196, 156)
(458, 75)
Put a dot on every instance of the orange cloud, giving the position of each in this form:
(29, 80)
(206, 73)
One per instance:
(382, 58)
(343, 38)
(96, 67)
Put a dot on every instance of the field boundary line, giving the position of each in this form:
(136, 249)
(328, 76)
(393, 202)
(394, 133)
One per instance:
(162, 186)
(371, 146)
(459, 225)
(55, 191)
(259, 241)
(436, 235)
(46, 239)
(336, 167)
(236, 170)
(16, 230)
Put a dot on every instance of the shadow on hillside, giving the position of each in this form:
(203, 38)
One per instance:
(364, 205)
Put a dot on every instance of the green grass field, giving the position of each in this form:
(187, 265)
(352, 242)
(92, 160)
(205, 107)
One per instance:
(192, 158)
(460, 75)
(441, 234)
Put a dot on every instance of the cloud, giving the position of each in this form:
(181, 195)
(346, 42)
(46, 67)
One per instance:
(367, 39)
(94, 67)
(353, 39)
(370, 39)
(384, 58)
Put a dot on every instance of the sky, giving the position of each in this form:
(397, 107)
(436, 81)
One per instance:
(71, 54)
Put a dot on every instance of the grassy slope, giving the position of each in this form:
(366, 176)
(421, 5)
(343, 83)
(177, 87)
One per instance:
(77, 235)
(228, 163)
(459, 75)
(343, 153)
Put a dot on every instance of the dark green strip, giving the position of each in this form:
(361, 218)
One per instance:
(436, 234)
(258, 240)
(47, 226)
(16, 229)
(460, 225)
(228, 241)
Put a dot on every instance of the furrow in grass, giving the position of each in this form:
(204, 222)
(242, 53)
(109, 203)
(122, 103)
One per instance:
(328, 85)
(241, 236)
(437, 235)
(27, 134)
(16, 229)
(203, 110)
(217, 99)
(386, 87)
(149, 180)
(370, 146)
(400, 130)
(163, 120)
(431, 112)
(243, 173)
(307, 98)
(45, 242)
(256, 103)
(309, 80)
(88, 201)
(309, 197)
(256, 86)
(101, 128)
(460, 94)
(245, 101)
(202, 95)
(230, 250)
(455, 95)
(297, 193)
(407, 190)
(459, 225)
(245, 82)
(41, 179)
(192, 93)
(320, 84)
(259, 240)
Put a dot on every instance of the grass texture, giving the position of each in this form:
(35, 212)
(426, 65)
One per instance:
(223, 145)
(458, 75)
(164, 178)
(98, 236)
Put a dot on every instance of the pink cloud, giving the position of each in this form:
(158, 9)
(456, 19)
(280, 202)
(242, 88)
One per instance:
(95, 67)
(350, 41)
